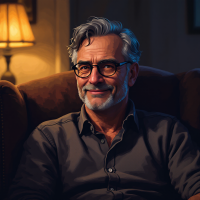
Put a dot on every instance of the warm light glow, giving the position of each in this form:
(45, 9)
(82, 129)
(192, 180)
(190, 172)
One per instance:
(25, 26)
(15, 29)
(3, 22)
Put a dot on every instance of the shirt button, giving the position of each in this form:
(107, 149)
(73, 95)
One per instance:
(91, 128)
(110, 170)
(112, 189)
(102, 141)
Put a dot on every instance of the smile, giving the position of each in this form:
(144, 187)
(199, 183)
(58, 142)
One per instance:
(97, 91)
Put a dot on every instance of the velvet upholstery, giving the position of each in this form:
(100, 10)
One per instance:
(24, 106)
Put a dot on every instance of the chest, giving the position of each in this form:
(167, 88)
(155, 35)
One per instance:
(131, 157)
(110, 137)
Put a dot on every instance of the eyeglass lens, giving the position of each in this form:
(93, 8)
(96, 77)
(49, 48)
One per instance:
(106, 68)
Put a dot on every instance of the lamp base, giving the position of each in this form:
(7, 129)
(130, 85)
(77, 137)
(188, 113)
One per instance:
(8, 76)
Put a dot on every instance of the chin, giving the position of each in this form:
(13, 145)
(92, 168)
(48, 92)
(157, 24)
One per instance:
(99, 106)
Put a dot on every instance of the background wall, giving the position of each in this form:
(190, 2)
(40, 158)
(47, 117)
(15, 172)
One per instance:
(160, 26)
(133, 14)
(172, 48)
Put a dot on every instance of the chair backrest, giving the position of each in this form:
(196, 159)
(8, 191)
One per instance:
(25, 106)
(56, 95)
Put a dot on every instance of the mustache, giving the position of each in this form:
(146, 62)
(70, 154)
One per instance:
(97, 87)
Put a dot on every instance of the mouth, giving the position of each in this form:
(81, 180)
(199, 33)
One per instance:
(96, 92)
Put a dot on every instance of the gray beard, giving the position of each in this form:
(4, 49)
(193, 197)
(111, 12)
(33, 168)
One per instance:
(107, 104)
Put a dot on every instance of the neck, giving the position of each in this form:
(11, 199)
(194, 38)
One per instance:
(108, 121)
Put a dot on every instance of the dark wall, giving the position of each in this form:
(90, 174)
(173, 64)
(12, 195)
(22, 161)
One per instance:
(159, 25)
(133, 14)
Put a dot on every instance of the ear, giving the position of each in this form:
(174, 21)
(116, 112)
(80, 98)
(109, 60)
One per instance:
(133, 74)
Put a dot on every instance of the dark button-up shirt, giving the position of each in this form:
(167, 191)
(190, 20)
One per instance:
(152, 157)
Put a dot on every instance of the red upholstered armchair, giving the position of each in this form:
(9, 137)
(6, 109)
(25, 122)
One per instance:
(24, 106)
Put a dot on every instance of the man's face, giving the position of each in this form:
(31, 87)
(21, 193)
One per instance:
(96, 91)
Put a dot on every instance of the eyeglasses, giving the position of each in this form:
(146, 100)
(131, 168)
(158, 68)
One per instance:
(105, 68)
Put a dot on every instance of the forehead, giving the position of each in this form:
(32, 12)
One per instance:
(101, 47)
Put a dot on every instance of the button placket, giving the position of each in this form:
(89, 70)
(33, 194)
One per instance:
(91, 128)
(113, 177)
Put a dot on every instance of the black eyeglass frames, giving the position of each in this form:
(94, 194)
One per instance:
(105, 68)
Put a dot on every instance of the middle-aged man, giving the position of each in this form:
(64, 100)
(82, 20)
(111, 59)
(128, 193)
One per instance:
(108, 150)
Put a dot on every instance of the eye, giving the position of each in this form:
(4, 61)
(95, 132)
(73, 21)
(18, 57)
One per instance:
(83, 67)
(108, 66)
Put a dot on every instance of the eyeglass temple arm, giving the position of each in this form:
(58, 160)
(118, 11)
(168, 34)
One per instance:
(120, 64)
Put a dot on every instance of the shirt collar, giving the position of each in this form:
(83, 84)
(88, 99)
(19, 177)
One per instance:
(84, 122)
(131, 114)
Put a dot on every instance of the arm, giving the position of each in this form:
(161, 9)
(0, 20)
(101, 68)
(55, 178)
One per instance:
(184, 163)
(195, 197)
(37, 174)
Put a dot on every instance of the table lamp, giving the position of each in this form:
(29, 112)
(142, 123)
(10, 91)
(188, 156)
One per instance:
(15, 31)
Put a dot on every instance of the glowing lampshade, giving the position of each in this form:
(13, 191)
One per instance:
(15, 29)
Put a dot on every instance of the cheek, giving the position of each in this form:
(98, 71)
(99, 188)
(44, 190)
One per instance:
(118, 85)
(114, 84)
(81, 83)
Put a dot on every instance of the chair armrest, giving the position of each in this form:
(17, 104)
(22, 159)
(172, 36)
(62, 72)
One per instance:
(13, 128)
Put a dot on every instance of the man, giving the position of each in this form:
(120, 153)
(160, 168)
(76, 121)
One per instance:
(109, 150)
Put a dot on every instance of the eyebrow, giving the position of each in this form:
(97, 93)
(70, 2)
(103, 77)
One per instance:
(104, 60)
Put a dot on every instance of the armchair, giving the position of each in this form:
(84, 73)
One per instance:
(24, 106)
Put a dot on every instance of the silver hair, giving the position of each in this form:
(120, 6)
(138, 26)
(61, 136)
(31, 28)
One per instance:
(102, 26)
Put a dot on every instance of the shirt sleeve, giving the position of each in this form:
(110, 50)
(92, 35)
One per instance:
(37, 174)
(184, 162)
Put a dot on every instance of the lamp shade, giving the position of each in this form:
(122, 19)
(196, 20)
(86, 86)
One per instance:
(15, 29)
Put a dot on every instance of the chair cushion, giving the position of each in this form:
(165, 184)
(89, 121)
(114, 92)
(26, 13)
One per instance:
(56, 95)
(156, 90)
(50, 97)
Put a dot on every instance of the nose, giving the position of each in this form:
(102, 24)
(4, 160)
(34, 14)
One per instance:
(95, 77)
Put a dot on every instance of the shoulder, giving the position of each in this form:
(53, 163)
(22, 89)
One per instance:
(155, 117)
(158, 123)
(68, 118)
(54, 126)
(52, 129)
(149, 114)
(49, 131)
